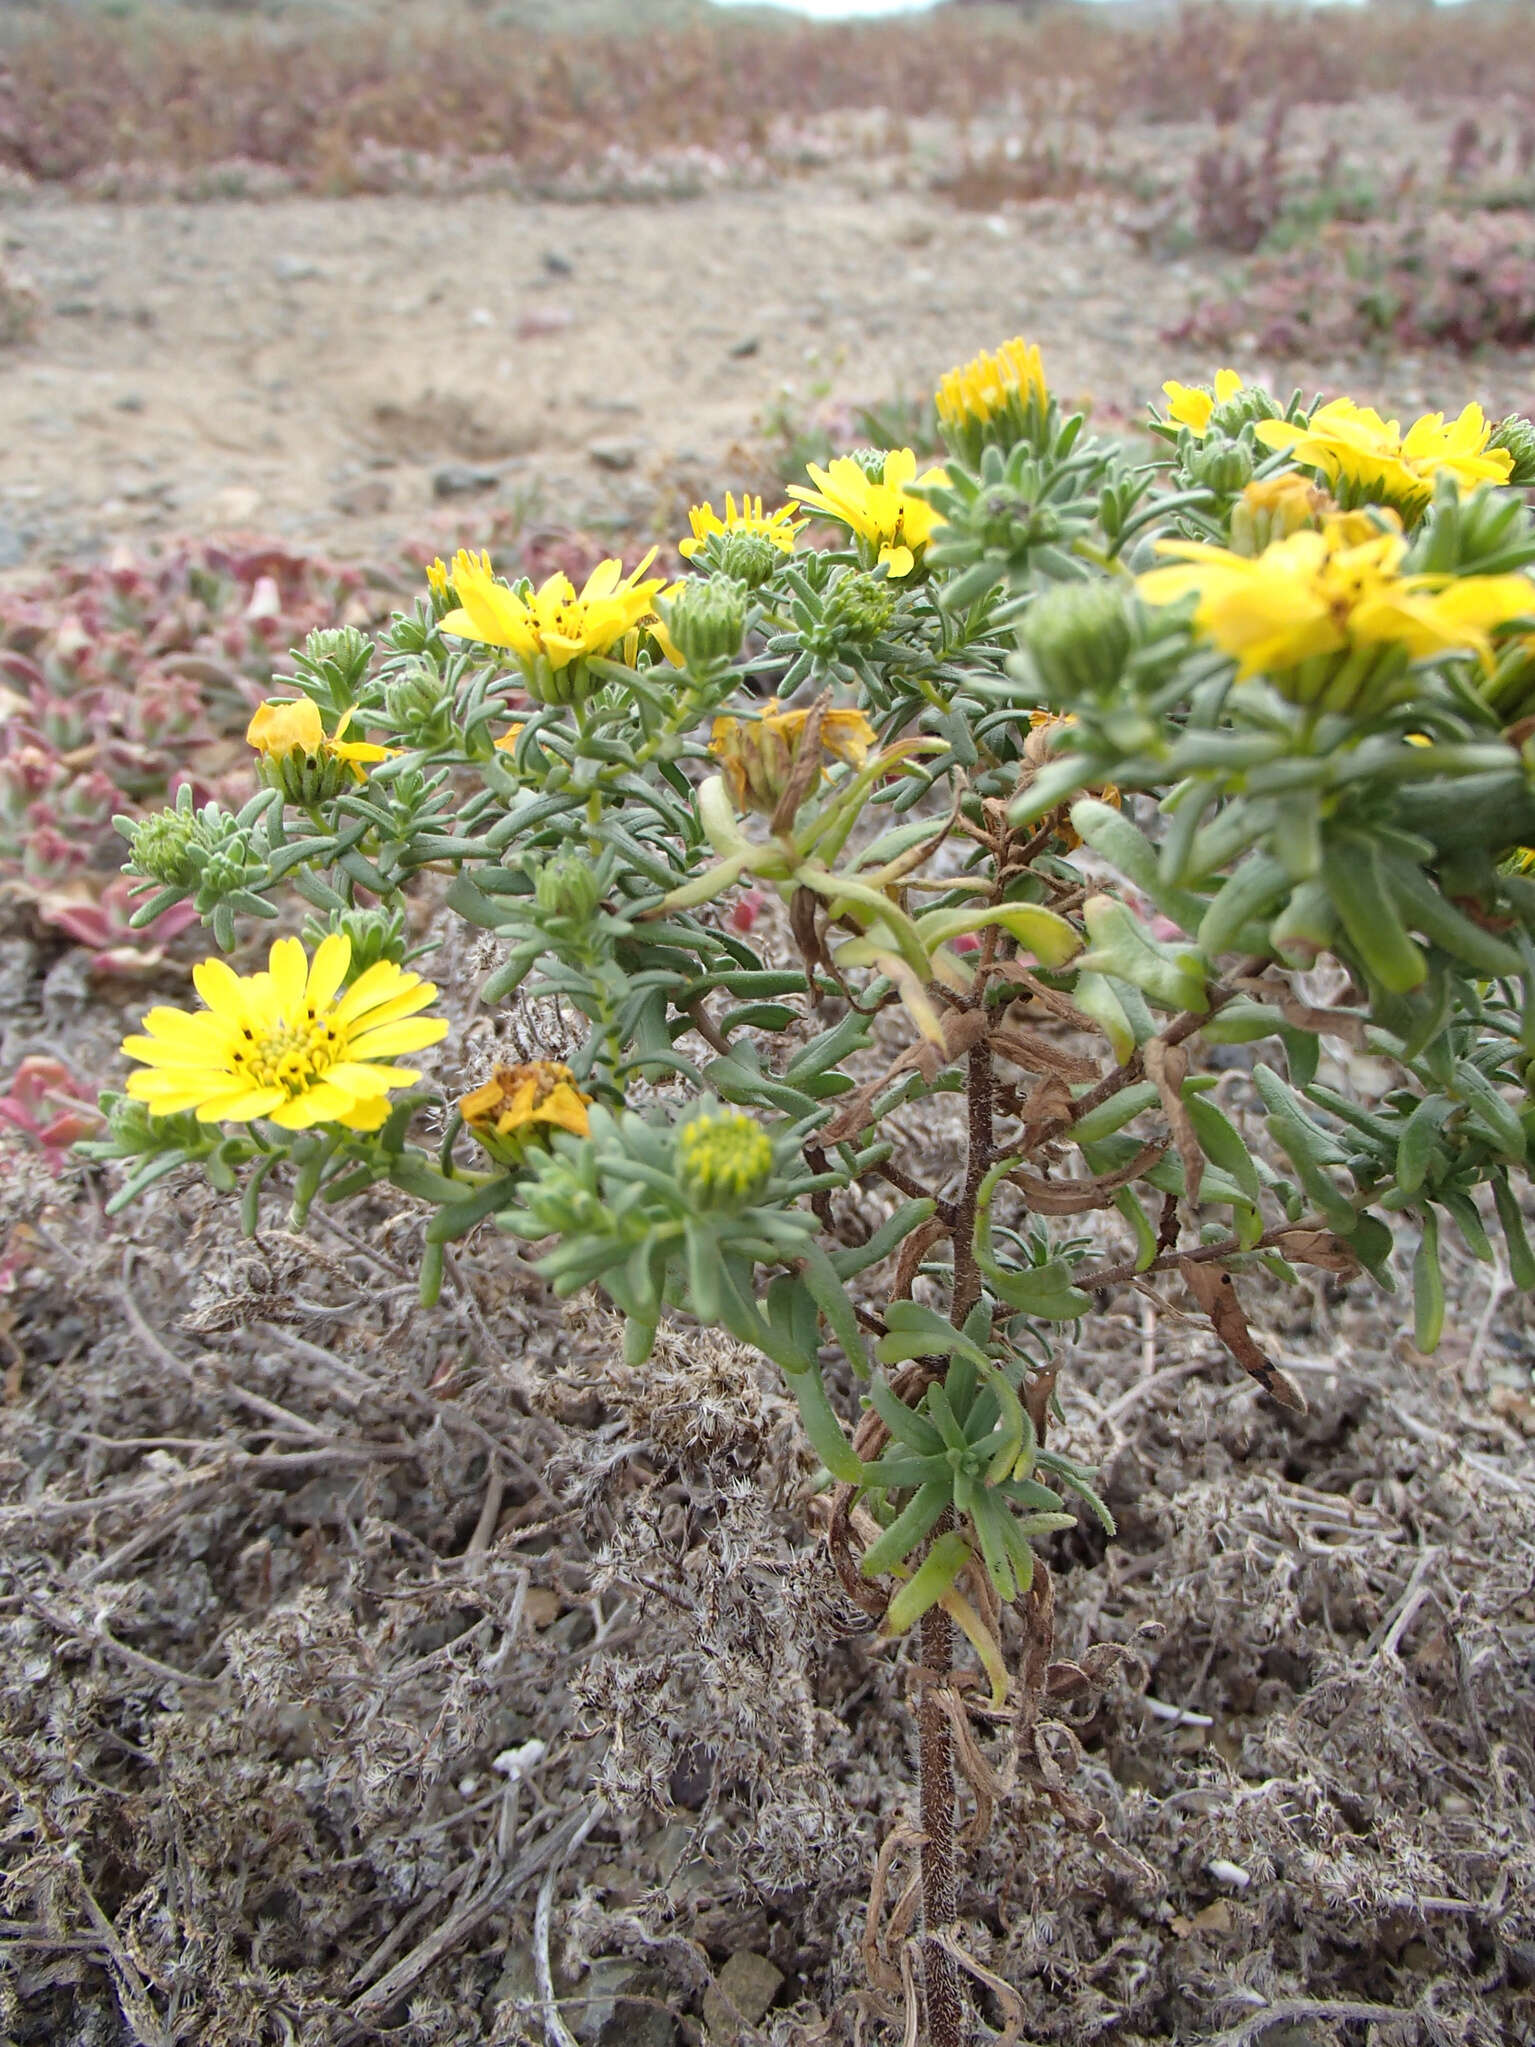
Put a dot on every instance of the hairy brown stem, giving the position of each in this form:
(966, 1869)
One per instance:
(946, 2025)
(967, 1274)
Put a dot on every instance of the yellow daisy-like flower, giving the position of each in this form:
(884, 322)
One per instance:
(298, 756)
(553, 629)
(1192, 405)
(1369, 459)
(995, 397)
(290, 1044)
(1331, 592)
(779, 527)
(894, 526)
(757, 755)
(519, 1105)
(292, 725)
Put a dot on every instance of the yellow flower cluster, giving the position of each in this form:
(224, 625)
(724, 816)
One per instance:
(553, 629)
(894, 526)
(1368, 459)
(1193, 406)
(780, 527)
(994, 398)
(292, 1044)
(1328, 592)
(290, 729)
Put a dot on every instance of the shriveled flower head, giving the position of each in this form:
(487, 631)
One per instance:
(779, 528)
(300, 757)
(892, 526)
(1193, 405)
(518, 1107)
(995, 399)
(551, 630)
(292, 1044)
(724, 1158)
(761, 756)
(1369, 460)
(1331, 593)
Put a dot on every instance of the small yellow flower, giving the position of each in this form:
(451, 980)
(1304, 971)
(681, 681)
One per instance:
(758, 754)
(1369, 459)
(992, 398)
(300, 757)
(437, 577)
(519, 1105)
(780, 527)
(1330, 592)
(894, 526)
(552, 630)
(724, 1158)
(290, 1044)
(1191, 405)
(507, 743)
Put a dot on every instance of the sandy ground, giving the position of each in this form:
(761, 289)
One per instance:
(309, 367)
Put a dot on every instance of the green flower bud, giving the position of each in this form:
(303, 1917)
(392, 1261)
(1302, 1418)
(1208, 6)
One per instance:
(159, 848)
(375, 935)
(707, 621)
(1222, 466)
(1241, 409)
(420, 706)
(872, 462)
(1079, 637)
(340, 654)
(724, 1159)
(859, 607)
(748, 558)
(1517, 435)
(567, 886)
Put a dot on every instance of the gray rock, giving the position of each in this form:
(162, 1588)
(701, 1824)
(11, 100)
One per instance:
(14, 547)
(363, 499)
(290, 269)
(18, 967)
(747, 345)
(556, 264)
(463, 480)
(638, 2025)
(746, 1986)
(614, 455)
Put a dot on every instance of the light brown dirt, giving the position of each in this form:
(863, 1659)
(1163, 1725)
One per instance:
(306, 367)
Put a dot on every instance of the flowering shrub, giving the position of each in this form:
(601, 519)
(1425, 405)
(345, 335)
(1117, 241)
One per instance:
(1058, 771)
(123, 683)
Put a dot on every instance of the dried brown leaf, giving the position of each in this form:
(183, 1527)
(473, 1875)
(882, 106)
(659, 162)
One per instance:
(1168, 1065)
(1079, 1197)
(1211, 1285)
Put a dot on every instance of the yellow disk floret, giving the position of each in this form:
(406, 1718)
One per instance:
(724, 1158)
(291, 1044)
